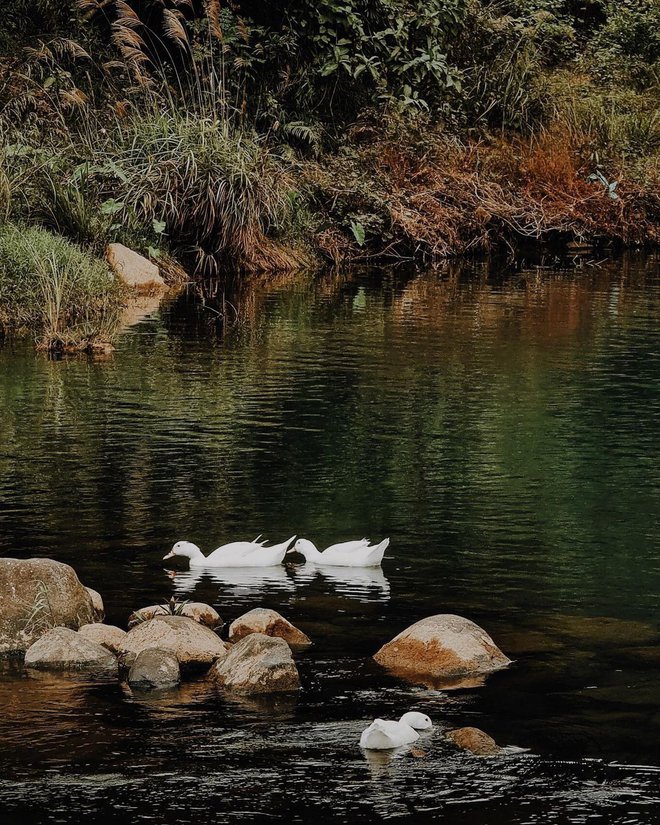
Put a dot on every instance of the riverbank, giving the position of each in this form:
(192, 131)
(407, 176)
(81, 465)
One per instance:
(231, 141)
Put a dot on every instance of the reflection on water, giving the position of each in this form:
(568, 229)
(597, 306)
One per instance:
(503, 430)
(239, 583)
(363, 583)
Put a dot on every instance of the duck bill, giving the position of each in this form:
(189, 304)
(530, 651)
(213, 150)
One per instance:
(170, 555)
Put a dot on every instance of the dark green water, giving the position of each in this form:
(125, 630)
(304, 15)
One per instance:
(503, 430)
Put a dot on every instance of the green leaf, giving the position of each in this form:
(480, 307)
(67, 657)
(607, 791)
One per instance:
(358, 232)
(153, 252)
(158, 226)
(111, 207)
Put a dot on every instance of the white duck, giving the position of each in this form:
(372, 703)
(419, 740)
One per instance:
(358, 553)
(235, 554)
(384, 735)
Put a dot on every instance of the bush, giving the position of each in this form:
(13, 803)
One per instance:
(49, 284)
(214, 190)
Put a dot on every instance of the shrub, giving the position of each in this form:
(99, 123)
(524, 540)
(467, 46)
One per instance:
(214, 189)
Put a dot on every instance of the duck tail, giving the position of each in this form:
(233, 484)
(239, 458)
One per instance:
(375, 557)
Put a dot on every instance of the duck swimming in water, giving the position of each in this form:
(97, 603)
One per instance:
(234, 554)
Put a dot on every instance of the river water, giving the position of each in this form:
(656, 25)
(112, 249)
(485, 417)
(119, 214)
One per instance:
(501, 427)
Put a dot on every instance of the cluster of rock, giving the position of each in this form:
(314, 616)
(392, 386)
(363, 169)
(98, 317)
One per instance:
(47, 614)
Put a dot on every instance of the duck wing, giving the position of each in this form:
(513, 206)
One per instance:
(383, 734)
(345, 550)
(235, 550)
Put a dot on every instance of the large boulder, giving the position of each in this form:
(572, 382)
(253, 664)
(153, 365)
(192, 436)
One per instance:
(200, 612)
(475, 741)
(63, 649)
(270, 623)
(442, 647)
(154, 668)
(107, 635)
(195, 646)
(97, 604)
(258, 664)
(36, 595)
(133, 270)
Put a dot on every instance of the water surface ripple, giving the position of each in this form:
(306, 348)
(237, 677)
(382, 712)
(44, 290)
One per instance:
(503, 430)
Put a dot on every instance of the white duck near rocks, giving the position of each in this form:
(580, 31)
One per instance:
(235, 554)
(360, 553)
(384, 735)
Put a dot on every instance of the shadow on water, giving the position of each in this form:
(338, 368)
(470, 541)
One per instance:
(501, 428)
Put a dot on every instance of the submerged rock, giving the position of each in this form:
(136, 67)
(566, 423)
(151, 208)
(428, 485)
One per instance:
(155, 668)
(258, 664)
(200, 612)
(195, 646)
(442, 646)
(270, 623)
(107, 635)
(134, 270)
(63, 649)
(36, 595)
(475, 741)
(97, 604)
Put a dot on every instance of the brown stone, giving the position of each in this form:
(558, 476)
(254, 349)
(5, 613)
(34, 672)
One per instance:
(97, 604)
(475, 741)
(196, 647)
(108, 635)
(442, 646)
(258, 664)
(134, 270)
(270, 623)
(63, 649)
(37, 595)
(198, 611)
(155, 669)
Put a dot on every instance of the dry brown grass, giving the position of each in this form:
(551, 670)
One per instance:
(442, 198)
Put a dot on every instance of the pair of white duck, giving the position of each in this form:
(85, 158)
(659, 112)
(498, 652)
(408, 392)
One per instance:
(360, 553)
(382, 735)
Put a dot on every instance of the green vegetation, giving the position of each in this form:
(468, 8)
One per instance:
(49, 284)
(255, 137)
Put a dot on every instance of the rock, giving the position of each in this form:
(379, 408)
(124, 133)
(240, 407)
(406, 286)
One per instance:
(195, 646)
(97, 604)
(65, 650)
(107, 635)
(475, 741)
(138, 273)
(36, 595)
(258, 664)
(442, 646)
(270, 623)
(200, 612)
(155, 668)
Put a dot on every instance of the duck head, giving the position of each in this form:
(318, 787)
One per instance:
(418, 721)
(186, 549)
(306, 548)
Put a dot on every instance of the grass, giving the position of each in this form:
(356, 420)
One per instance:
(432, 196)
(217, 190)
(53, 286)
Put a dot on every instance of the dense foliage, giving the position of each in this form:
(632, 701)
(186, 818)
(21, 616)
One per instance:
(250, 134)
